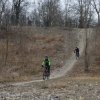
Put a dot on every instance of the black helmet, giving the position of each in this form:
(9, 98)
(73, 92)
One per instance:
(46, 57)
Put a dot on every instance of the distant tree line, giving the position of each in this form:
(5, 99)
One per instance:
(49, 13)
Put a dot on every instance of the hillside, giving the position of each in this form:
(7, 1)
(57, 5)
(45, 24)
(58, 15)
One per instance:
(93, 58)
(75, 85)
(27, 47)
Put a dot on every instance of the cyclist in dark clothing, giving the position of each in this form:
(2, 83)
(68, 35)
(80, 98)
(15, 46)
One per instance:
(77, 52)
(46, 65)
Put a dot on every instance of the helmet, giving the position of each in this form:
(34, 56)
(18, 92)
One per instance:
(46, 57)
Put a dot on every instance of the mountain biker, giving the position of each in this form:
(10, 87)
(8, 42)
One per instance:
(77, 52)
(46, 64)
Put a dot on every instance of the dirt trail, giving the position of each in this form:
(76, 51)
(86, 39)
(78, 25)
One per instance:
(71, 61)
(59, 72)
(62, 89)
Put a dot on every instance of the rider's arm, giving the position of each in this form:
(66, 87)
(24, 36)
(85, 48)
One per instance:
(49, 63)
(42, 63)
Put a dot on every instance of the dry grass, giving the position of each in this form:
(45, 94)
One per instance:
(26, 50)
(28, 46)
(94, 58)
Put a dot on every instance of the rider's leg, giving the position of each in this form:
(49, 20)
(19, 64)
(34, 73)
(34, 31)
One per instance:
(44, 72)
(49, 71)
(76, 56)
(43, 76)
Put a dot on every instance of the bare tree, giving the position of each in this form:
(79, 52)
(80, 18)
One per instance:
(86, 51)
(86, 18)
(2, 9)
(81, 11)
(67, 13)
(96, 5)
(6, 25)
(84, 10)
(50, 13)
(18, 6)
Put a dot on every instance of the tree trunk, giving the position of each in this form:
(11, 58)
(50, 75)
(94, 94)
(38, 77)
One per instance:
(98, 19)
(86, 53)
(6, 54)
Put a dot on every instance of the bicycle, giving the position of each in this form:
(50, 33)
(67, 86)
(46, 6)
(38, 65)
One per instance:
(46, 73)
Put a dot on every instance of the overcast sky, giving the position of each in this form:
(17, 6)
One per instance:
(36, 1)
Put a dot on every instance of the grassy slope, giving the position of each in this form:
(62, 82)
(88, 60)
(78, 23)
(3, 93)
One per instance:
(27, 48)
(94, 58)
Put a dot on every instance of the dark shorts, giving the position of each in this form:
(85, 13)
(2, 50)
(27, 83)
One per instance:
(77, 54)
